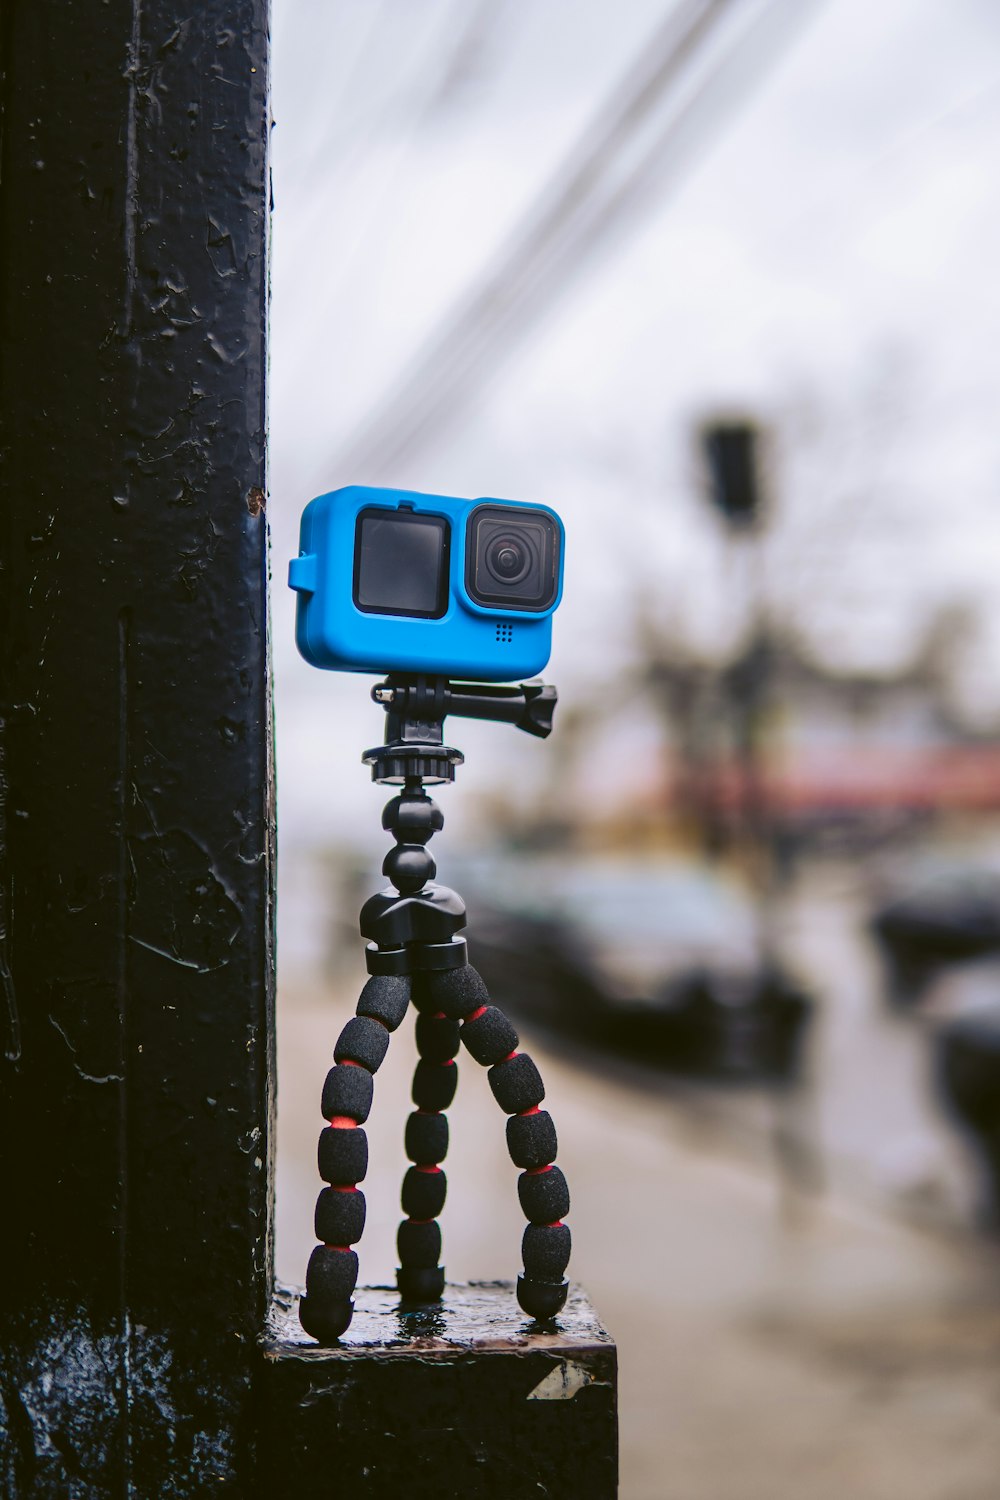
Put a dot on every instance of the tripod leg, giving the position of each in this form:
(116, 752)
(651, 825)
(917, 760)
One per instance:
(531, 1135)
(331, 1276)
(420, 1277)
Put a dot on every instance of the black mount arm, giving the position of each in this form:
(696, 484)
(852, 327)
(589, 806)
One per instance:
(417, 706)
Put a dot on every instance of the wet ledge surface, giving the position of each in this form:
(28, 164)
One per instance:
(472, 1316)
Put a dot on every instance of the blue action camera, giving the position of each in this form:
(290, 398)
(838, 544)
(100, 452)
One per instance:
(395, 581)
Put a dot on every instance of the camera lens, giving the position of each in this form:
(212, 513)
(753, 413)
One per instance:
(508, 559)
(512, 557)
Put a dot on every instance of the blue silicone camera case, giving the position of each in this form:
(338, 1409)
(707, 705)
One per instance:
(470, 641)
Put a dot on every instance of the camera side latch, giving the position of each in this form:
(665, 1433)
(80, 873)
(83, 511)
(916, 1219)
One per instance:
(303, 573)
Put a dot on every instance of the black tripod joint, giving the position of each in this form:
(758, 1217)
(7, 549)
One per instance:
(417, 706)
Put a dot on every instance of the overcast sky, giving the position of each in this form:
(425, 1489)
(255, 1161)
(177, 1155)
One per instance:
(824, 256)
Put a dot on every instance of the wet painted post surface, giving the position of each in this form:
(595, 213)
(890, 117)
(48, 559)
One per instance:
(135, 784)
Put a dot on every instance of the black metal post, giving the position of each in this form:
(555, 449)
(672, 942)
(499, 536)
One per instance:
(135, 778)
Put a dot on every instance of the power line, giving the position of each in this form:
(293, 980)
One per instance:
(693, 69)
(464, 26)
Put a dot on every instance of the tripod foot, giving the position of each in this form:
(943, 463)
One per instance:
(420, 1284)
(325, 1311)
(327, 1321)
(541, 1299)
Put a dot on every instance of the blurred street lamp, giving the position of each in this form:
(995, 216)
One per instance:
(731, 451)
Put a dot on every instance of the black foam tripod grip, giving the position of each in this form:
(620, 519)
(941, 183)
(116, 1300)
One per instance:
(347, 1092)
(342, 1155)
(517, 1084)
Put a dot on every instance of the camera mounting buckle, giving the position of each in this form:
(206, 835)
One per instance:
(417, 706)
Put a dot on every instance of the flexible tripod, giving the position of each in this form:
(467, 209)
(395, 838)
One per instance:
(413, 953)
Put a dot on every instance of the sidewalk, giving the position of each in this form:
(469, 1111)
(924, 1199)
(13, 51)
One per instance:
(772, 1347)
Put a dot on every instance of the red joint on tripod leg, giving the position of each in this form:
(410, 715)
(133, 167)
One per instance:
(343, 1122)
(474, 1015)
(420, 1221)
(511, 1055)
(343, 1187)
(438, 1015)
(537, 1171)
(556, 1224)
(430, 1168)
(534, 1110)
(342, 1248)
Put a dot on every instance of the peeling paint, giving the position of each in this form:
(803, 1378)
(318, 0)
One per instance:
(563, 1382)
(180, 908)
(82, 1072)
(83, 1011)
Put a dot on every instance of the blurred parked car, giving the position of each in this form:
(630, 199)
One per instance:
(663, 963)
(943, 913)
(967, 1056)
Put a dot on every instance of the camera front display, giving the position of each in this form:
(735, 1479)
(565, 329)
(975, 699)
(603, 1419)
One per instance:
(395, 581)
(401, 564)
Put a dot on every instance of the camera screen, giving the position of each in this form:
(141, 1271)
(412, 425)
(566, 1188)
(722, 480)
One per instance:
(401, 563)
(512, 557)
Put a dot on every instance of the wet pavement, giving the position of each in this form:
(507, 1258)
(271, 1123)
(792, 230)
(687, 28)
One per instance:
(775, 1340)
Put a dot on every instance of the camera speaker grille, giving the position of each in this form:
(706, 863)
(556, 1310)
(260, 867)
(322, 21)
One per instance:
(505, 634)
